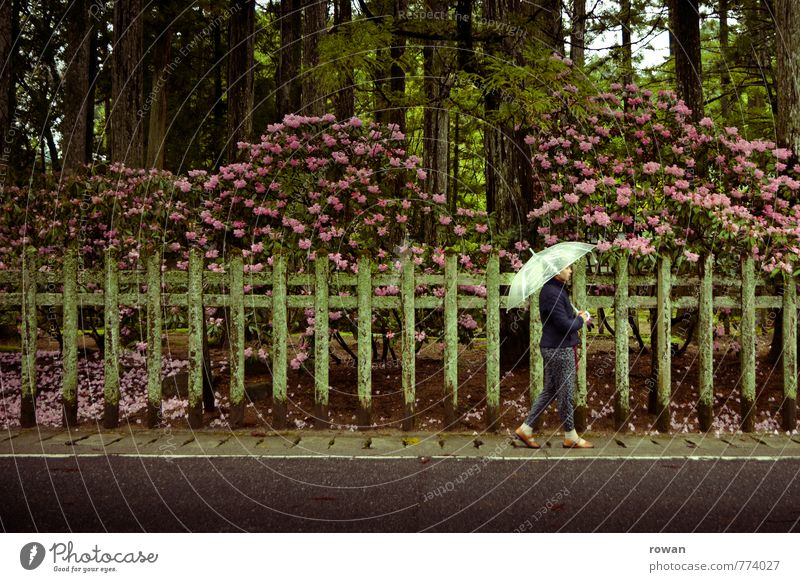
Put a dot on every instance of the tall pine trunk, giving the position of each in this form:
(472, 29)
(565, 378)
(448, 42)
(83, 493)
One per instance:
(436, 122)
(288, 88)
(787, 127)
(344, 98)
(92, 73)
(787, 18)
(725, 76)
(397, 74)
(241, 27)
(627, 47)
(577, 49)
(685, 17)
(6, 84)
(157, 127)
(76, 85)
(315, 17)
(127, 135)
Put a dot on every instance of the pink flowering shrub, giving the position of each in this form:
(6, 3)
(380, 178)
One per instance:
(630, 170)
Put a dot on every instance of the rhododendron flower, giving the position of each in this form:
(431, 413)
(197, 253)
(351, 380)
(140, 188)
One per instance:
(651, 168)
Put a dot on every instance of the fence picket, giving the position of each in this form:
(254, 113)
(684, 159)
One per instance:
(29, 336)
(69, 417)
(492, 341)
(111, 347)
(789, 408)
(365, 341)
(579, 297)
(705, 339)
(450, 338)
(154, 328)
(536, 363)
(195, 316)
(622, 401)
(748, 345)
(664, 355)
(279, 337)
(236, 337)
(408, 341)
(321, 343)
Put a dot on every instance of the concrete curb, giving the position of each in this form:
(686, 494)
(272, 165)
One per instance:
(173, 443)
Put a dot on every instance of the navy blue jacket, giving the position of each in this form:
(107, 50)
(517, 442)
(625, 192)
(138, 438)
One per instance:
(560, 325)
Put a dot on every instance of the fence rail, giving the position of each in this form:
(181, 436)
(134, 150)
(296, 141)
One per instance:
(194, 299)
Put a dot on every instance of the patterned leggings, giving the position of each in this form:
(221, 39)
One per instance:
(559, 381)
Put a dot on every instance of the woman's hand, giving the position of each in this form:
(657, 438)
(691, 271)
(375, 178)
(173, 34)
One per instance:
(585, 315)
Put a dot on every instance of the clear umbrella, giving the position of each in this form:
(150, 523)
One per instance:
(542, 267)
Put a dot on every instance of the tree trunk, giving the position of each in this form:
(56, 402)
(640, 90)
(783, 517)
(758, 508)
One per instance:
(548, 25)
(577, 50)
(218, 110)
(787, 18)
(288, 92)
(241, 28)
(627, 48)
(397, 74)
(436, 122)
(76, 85)
(787, 126)
(157, 127)
(6, 82)
(508, 168)
(344, 98)
(466, 55)
(91, 92)
(685, 17)
(315, 18)
(452, 198)
(127, 139)
(725, 76)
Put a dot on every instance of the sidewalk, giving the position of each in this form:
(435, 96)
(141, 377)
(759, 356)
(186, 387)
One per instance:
(385, 444)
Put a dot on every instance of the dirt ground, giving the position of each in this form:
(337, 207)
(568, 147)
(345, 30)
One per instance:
(514, 387)
(514, 399)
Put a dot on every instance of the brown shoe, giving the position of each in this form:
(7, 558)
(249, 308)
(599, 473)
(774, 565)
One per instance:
(579, 444)
(528, 440)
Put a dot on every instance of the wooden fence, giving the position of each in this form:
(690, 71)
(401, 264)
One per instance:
(28, 297)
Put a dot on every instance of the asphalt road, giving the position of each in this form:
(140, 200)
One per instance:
(130, 494)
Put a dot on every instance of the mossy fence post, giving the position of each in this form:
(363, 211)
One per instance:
(705, 340)
(789, 407)
(536, 362)
(579, 296)
(69, 407)
(622, 399)
(409, 342)
(236, 336)
(493, 341)
(450, 339)
(279, 336)
(29, 336)
(664, 334)
(321, 341)
(364, 341)
(196, 314)
(154, 329)
(747, 338)
(111, 340)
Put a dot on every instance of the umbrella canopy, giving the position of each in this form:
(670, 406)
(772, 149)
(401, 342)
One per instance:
(542, 267)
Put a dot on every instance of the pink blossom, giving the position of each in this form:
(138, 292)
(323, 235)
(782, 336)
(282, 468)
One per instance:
(651, 167)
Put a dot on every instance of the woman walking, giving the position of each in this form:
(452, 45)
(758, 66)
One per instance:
(559, 347)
